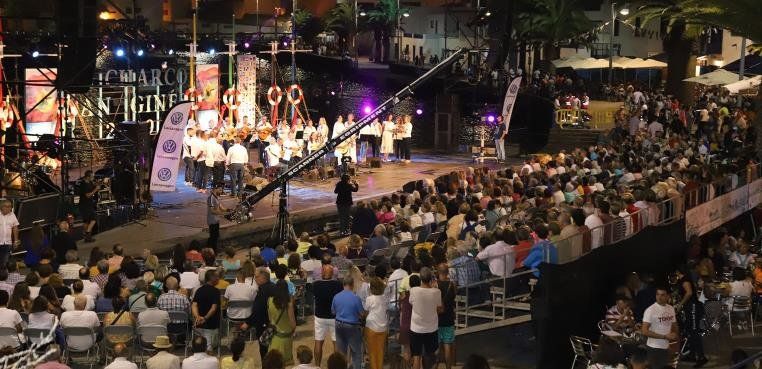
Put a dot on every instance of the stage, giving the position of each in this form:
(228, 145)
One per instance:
(180, 216)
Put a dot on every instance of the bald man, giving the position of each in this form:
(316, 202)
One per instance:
(120, 358)
(325, 323)
(173, 300)
(80, 317)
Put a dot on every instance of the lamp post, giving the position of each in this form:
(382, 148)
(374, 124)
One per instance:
(624, 11)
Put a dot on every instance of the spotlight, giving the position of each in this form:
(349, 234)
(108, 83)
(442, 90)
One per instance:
(171, 51)
(367, 109)
(119, 52)
(35, 54)
(333, 93)
(153, 46)
(362, 14)
(487, 14)
(491, 118)
(212, 51)
(405, 14)
(419, 111)
(246, 45)
(140, 52)
(285, 43)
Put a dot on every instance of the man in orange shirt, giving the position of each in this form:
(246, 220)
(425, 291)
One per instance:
(758, 277)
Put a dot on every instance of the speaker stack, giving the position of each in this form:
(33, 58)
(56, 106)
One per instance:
(77, 27)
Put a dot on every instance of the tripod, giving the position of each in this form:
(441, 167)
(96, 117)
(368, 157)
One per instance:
(283, 230)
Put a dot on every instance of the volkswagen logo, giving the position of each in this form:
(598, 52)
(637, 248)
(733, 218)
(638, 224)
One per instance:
(176, 118)
(164, 174)
(169, 146)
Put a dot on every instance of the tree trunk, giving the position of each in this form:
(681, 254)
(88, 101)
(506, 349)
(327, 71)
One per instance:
(377, 46)
(387, 45)
(681, 62)
(523, 56)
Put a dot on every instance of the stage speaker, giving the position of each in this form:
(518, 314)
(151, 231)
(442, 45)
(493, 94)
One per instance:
(41, 209)
(375, 162)
(78, 27)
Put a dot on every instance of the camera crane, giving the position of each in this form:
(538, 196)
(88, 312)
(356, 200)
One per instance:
(283, 225)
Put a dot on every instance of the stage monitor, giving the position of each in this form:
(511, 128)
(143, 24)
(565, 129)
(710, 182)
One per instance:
(41, 209)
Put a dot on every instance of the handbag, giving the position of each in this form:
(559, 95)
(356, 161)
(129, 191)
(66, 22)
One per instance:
(267, 335)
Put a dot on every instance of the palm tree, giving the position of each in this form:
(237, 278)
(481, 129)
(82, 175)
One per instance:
(341, 20)
(551, 23)
(382, 20)
(307, 25)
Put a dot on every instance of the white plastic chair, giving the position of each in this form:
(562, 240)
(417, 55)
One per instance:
(740, 305)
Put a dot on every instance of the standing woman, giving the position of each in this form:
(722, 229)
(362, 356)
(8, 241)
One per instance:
(377, 129)
(407, 136)
(280, 310)
(399, 131)
(387, 137)
(376, 323)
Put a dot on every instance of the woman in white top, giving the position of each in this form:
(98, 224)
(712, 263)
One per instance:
(387, 137)
(40, 317)
(376, 323)
(741, 286)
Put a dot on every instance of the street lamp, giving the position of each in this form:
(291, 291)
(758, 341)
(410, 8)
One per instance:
(624, 11)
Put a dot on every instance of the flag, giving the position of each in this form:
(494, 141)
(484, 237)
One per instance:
(169, 148)
(510, 100)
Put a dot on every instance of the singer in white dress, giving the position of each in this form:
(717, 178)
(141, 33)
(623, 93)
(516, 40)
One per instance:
(387, 137)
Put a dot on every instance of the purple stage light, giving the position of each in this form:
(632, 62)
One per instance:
(367, 109)
(491, 118)
(246, 45)
(419, 111)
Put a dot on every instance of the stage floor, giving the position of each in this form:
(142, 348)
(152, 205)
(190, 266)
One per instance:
(180, 216)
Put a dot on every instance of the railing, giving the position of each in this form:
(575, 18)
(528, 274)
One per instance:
(661, 213)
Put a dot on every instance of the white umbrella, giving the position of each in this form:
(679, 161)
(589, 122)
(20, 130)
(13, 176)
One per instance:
(745, 84)
(566, 62)
(718, 77)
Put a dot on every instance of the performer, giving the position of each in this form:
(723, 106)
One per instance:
(309, 129)
(278, 155)
(190, 135)
(399, 130)
(343, 193)
(322, 130)
(299, 138)
(377, 128)
(263, 138)
(283, 129)
(294, 147)
(243, 123)
(236, 160)
(214, 208)
(387, 137)
(338, 127)
(352, 139)
(314, 143)
(407, 135)
(9, 230)
(215, 160)
(88, 191)
(499, 137)
(198, 150)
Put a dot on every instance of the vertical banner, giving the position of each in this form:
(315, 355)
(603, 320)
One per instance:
(169, 148)
(510, 100)
(40, 102)
(208, 86)
(247, 86)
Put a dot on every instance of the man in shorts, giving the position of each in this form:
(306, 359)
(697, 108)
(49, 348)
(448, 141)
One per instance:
(424, 321)
(325, 323)
(446, 331)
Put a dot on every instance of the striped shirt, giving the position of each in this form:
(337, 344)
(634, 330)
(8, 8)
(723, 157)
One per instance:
(173, 301)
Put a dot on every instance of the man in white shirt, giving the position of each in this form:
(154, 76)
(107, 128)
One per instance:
(80, 318)
(237, 158)
(198, 150)
(9, 319)
(70, 270)
(77, 288)
(654, 128)
(215, 159)
(660, 326)
(240, 291)
(424, 321)
(499, 256)
(394, 282)
(190, 135)
(189, 278)
(90, 288)
(200, 359)
(9, 232)
(152, 315)
(120, 358)
(594, 223)
(407, 136)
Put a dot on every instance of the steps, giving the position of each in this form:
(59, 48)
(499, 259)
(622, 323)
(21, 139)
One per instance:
(569, 139)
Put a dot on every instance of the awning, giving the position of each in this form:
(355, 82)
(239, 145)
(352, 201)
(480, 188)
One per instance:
(638, 63)
(717, 77)
(746, 84)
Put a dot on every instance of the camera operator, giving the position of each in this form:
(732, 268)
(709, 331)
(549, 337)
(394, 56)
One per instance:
(343, 192)
(88, 191)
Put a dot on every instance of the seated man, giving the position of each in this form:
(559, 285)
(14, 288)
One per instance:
(240, 291)
(619, 317)
(80, 317)
(152, 315)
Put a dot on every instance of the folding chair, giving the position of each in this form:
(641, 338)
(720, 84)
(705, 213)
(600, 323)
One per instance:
(237, 304)
(124, 333)
(10, 332)
(34, 335)
(583, 350)
(741, 305)
(147, 336)
(179, 326)
(87, 334)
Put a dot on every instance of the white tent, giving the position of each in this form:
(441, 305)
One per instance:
(638, 63)
(566, 62)
(718, 77)
(745, 84)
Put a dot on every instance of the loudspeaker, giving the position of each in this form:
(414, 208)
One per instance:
(375, 162)
(78, 27)
(41, 209)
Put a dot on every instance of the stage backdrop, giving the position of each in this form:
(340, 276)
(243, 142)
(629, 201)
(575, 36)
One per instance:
(571, 298)
(169, 148)
(41, 118)
(247, 86)
(208, 83)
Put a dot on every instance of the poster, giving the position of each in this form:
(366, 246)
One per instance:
(169, 148)
(247, 86)
(208, 85)
(713, 214)
(42, 110)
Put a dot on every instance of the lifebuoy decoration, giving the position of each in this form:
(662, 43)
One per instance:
(274, 100)
(289, 94)
(192, 95)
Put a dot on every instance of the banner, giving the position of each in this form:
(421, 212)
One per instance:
(713, 214)
(169, 149)
(247, 87)
(40, 101)
(208, 84)
(510, 100)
